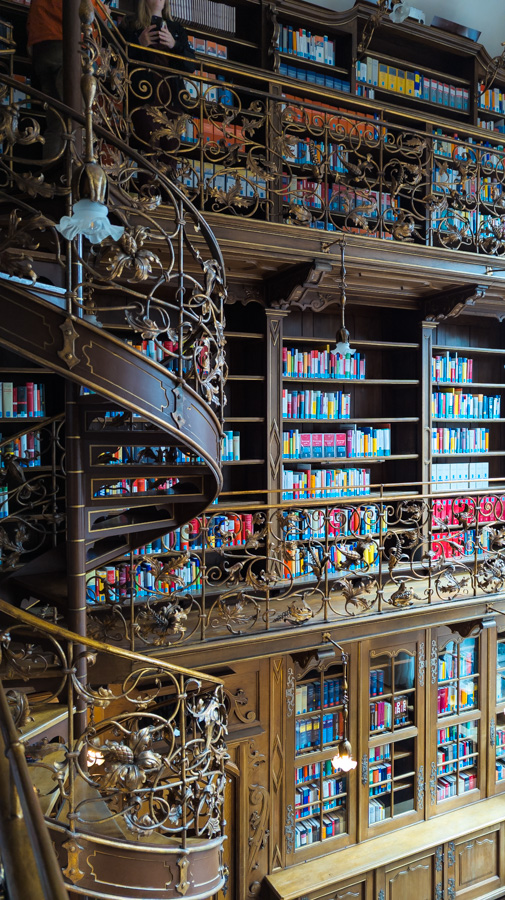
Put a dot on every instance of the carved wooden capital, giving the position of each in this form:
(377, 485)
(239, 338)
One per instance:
(449, 304)
(297, 286)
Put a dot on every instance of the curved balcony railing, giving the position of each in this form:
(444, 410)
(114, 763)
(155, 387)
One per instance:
(240, 141)
(134, 799)
(302, 564)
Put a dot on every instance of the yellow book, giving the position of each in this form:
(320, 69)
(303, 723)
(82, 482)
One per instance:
(383, 75)
(392, 78)
(400, 81)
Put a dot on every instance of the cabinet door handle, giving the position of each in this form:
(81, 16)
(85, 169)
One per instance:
(492, 732)
(364, 770)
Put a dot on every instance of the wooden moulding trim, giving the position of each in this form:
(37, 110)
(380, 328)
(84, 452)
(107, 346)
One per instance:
(319, 874)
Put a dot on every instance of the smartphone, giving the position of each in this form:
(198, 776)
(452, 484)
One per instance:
(158, 21)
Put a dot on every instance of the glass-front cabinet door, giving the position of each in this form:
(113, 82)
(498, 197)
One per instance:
(392, 772)
(497, 715)
(320, 788)
(457, 739)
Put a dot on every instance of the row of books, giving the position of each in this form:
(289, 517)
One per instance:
(500, 737)
(460, 476)
(448, 665)
(357, 442)
(159, 351)
(307, 799)
(377, 754)
(126, 486)
(338, 198)
(343, 521)
(377, 685)
(323, 79)
(379, 773)
(301, 561)
(377, 811)
(21, 401)
(460, 543)
(319, 484)
(311, 771)
(411, 83)
(230, 446)
(312, 830)
(311, 734)
(490, 98)
(453, 148)
(452, 785)
(146, 456)
(459, 440)
(215, 179)
(25, 448)
(332, 117)
(308, 696)
(384, 713)
(210, 48)
(212, 15)
(457, 750)
(222, 531)
(302, 43)
(325, 363)
(457, 405)
(451, 219)
(452, 367)
(491, 125)
(447, 700)
(114, 582)
(500, 770)
(4, 502)
(309, 404)
(305, 151)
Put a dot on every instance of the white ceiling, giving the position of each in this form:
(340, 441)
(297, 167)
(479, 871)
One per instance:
(487, 16)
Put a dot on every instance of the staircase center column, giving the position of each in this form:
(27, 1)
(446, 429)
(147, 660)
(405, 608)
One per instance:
(76, 543)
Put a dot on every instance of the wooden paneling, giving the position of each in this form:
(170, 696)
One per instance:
(415, 880)
(477, 866)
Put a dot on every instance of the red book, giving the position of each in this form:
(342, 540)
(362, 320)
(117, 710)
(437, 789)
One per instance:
(30, 409)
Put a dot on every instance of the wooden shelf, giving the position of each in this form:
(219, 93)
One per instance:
(475, 384)
(364, 421)
(468, 351)
(325, 67)
(244, 462)
(379, 345)
(479, 421)
(396, 382)
(352, 459)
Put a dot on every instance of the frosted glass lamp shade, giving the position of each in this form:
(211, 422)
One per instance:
(91, 220)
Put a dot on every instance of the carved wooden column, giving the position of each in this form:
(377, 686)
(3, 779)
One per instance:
(425, 442)
(274, 319)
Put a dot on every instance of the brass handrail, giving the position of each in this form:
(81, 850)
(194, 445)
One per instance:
(56, 631)
(26, 847)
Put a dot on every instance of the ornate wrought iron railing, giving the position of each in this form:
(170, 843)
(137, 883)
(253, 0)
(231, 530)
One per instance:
(244, 570)
(161, 287)
(243, 143)
(146, 770)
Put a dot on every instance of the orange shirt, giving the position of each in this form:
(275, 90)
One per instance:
(45, 21)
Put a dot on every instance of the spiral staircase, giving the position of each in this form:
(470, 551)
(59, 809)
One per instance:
(126, 754)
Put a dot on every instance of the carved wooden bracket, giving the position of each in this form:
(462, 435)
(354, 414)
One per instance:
(449, 304)
(297, 286)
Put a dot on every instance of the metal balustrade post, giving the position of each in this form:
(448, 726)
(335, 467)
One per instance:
(76, 542)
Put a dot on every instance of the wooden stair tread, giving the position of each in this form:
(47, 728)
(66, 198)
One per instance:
(112, 828)
(42, 717)
(43, 779)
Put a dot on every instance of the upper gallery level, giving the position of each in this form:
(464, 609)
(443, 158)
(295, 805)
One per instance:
(285, 114)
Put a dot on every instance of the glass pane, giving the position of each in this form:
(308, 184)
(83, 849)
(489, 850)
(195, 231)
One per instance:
(333, 691)
(380, 675)
(308, 734)
(501, 654)
(468, 694)
(402, 715)
(447, 663)
(500, 686)
(468, 657)
(380, 716)
(500, 747)
(447, 702)
(405, 671)
(333, 727)
(308, 697)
